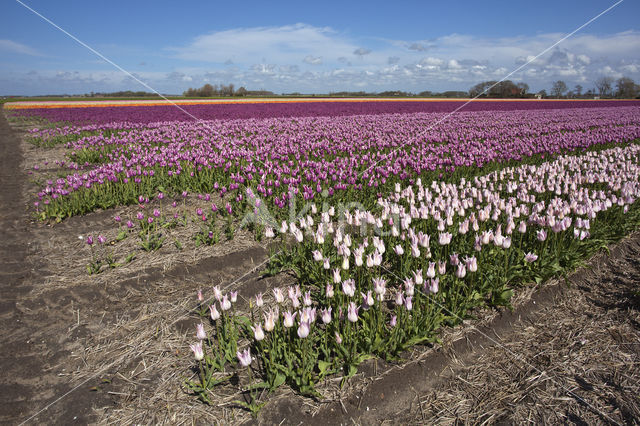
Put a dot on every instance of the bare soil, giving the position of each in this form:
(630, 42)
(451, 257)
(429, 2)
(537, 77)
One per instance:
(113, 347)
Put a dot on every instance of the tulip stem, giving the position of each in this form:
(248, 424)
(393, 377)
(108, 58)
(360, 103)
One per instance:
(203, 376)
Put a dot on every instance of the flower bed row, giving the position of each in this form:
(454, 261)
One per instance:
(374, 282)
(304, 157)
(323, 108)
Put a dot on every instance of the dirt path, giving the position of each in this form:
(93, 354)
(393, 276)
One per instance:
(36, 326)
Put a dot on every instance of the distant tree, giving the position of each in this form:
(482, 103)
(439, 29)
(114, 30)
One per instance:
(543, 93)
(206, 91)
(241, 91)
(454, 94)
(499, 89)
(209, 90)
(481, 89)
(508, 89)
(261, 92)
(578, 90)
(524, 88)
(604, 84)
(558, 88)
(625, 88)
(226, 90)
(394, 93)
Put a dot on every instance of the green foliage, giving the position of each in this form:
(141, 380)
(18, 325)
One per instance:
(151, 241)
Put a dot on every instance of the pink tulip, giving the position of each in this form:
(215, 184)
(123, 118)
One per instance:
(259, 300)
(349, 287)
(367, 300)
(337, 278)
(244, 357)
(270, 319)
(352, 312)
(289, 319)
(434, 285)
(444, 238)
(225, 304)
(408, 304)
(461, 272)
(200, 333)
(541, 235)
(431, 270)
(197, 350)
(329, 291)
(379, 287)
(393, 321)
(277, 294)
(326, 315)
(303, 329)
(399, 298)
(258, 333)
(214, 312)
(442, 267)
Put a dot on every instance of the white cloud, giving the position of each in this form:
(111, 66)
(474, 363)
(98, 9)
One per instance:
(432, 61)
(610, 72)
(584, 59)
(419, 46)
(312, 60)
(630, 69)
(285, 44)
(309, 59)
(453, 64)
(14, 47)
(361, 51)
(465, 59)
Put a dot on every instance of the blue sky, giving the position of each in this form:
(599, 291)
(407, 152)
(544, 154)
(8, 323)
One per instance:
(312, 47)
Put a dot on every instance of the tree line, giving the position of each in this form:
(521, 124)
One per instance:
(604, 87)
(500, 89)
(220, 91)
(121, 94)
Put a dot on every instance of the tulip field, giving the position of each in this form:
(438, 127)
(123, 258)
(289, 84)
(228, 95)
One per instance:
(397, 219)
